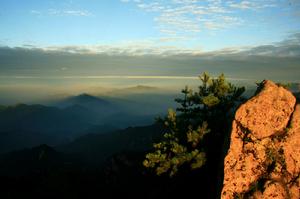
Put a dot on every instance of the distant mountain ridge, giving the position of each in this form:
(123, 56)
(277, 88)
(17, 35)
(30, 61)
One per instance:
(96, 148)
(29, 125)
(25, 125)
(91, 150)
(82, 99)
(39, 118)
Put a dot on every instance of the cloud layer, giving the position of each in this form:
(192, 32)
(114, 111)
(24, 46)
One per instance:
(278, 61)
(290, 47)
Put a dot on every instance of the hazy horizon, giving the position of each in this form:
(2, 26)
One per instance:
(72, 46)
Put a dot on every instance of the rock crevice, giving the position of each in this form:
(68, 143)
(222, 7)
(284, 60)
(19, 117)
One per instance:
(263, 160)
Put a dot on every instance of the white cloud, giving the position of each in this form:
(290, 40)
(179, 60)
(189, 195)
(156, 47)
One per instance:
(77, 13)
(251, 5)
(58, 12)
(35, 12)
(186, 18)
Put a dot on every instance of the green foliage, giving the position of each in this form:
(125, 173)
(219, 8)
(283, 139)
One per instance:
(199, 113)
(170, 154)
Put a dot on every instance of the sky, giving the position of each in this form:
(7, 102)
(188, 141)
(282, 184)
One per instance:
(124, 42)
(197, 24)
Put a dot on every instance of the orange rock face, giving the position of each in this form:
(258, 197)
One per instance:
(268, 112)
(263, 160)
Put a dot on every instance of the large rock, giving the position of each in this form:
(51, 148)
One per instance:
(263, 160)
(268, 112)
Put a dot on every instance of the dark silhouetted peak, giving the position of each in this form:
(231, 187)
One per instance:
(39, 153)
(88, 98)
(83, 99)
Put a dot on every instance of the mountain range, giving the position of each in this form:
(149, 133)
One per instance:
(61, 121)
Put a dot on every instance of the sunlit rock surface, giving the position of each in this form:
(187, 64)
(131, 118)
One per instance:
(263, 160)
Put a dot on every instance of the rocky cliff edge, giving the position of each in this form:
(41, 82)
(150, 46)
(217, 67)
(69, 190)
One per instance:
(263, 160)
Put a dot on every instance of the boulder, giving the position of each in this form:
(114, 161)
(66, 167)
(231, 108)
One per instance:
(263, 160)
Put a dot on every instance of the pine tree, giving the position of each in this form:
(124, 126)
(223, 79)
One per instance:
(199, 113)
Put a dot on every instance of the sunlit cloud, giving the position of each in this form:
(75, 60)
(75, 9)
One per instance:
(289, 47)
(138, 48)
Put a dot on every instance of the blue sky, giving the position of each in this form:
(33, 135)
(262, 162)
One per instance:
(204, 25)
